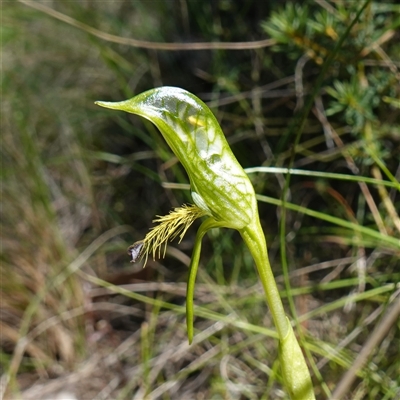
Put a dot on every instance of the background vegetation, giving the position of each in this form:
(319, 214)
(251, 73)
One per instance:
(81, 183)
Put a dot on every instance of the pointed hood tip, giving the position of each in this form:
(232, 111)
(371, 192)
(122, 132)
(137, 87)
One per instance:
(115, 105)
(107, 104)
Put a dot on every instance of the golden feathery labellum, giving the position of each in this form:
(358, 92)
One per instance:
(177, 222)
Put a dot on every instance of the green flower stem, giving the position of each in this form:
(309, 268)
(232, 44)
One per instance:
(254, 238)
(194, 264)
(294, 368)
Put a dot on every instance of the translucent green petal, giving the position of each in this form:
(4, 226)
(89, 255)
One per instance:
(219, 184)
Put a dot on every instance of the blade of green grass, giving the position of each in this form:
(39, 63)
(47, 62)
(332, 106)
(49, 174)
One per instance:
(327, 175)
(392, 242)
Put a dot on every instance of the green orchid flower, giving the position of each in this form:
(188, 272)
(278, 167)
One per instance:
(222, 192)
